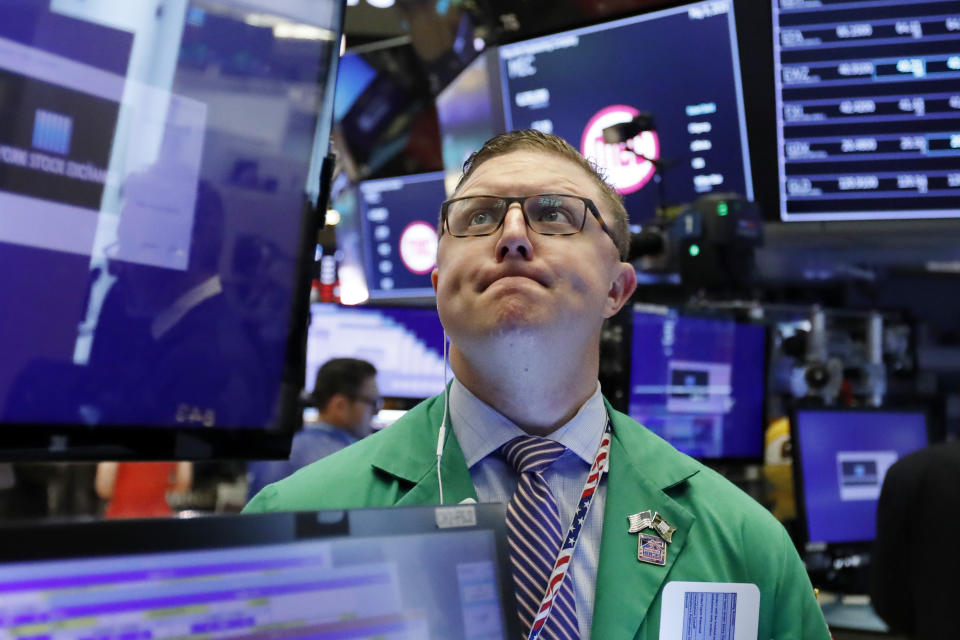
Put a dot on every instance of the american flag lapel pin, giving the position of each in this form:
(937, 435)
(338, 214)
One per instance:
(663, 527)
(640, 521)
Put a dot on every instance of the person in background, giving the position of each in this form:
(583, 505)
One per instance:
(915, 562)
(346, 395)
(139, 489)
(532, 259)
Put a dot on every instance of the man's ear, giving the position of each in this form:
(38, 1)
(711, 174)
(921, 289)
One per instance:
(337, 404)
(434, 275)
(623, 285)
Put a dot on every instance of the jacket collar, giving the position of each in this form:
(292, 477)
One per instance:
(643, 469)
(411, 457)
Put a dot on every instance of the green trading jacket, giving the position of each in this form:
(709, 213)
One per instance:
(722, 534)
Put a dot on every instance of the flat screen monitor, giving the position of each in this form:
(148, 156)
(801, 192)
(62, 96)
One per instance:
(385, 123)
(403, 572)
(404, 344)
(680, 66)
(399, 225)
(155, 164)
(470, 112)
(840, 458)
(699, 383)
(349, 254)
(867, 108)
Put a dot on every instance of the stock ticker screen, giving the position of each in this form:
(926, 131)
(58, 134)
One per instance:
(868, 109)
(576, 83)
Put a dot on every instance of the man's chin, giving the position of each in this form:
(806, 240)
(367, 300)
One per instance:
(516, 311)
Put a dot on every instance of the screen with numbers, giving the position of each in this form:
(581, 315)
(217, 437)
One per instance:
(868, 109)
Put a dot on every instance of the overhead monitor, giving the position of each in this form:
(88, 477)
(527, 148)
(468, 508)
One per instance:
(385, 123)
(867, 110)
(156, 161)
(699, 383)
(399, 224)
(402, 572)
(349, 255)
(679, 66)
(404, 344)
(470, 113)
(840, 458)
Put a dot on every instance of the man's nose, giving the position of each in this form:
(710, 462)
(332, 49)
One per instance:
(514, 236)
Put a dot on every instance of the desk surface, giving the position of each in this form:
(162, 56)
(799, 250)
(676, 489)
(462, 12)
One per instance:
(852, 612)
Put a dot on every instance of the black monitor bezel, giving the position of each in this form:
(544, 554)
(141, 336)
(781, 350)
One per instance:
(723, 316)
(51, 540)
(804, 543)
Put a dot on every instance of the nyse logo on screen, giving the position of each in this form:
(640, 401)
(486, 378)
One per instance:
(52, 132)
(626, 171)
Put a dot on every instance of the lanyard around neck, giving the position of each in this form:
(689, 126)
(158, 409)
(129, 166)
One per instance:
(601, 463)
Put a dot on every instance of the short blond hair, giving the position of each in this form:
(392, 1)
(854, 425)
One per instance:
(533, 140)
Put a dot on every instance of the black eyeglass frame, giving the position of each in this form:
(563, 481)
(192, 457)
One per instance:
(587, 202)
(376, 404)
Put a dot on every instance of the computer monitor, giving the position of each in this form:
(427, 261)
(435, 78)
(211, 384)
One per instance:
(349, 254)
(404, 344)
(470, 112)
(402, 572)
(867, 104)
(678, 65)
(840, 457)
(399, 223)
(699, 383)
(156, 163)
(385, 122)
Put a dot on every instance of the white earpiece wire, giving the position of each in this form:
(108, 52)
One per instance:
(441, 437)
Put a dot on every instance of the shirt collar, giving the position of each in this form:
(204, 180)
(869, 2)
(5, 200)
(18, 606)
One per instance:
(329, 428)
(481, 429)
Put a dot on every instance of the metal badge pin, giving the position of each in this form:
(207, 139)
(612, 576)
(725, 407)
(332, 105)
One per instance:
(663, 527)
(652, 550)
(640, 521)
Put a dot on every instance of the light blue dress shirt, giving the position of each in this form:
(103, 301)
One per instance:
(481, 430)
(316, 440)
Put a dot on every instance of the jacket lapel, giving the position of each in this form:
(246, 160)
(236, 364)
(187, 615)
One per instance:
(641, 467)
(410, 457)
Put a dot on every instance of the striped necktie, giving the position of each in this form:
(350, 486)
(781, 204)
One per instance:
(534, 534)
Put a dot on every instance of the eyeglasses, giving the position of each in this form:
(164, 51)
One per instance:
(549, 214)
(374, 403)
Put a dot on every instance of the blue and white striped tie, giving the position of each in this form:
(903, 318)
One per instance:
(534, 534)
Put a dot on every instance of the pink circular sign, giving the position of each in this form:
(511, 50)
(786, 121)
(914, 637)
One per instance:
(418, 247)
(624, 170)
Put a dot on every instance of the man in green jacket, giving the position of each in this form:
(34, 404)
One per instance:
(531, 261)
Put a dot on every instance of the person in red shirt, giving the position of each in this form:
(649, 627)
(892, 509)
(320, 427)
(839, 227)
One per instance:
(139, 489)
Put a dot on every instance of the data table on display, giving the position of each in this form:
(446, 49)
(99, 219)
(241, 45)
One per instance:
(868, 108)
